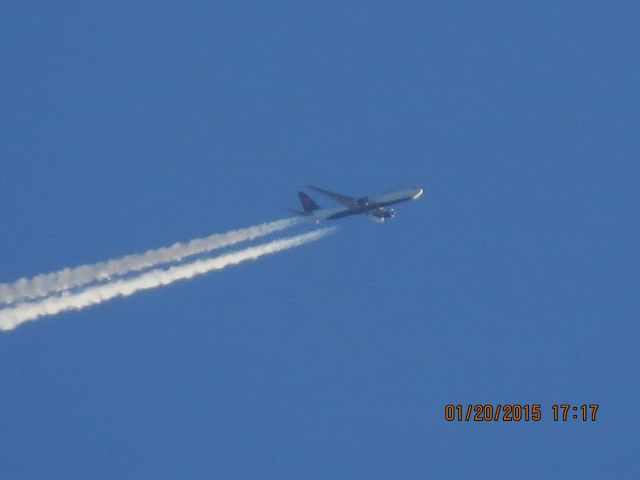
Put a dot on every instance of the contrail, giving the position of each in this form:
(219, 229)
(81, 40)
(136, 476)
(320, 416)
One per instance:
(11, 317)
(48, 283)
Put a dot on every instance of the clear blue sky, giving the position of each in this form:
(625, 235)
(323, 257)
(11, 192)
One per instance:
(513, 280)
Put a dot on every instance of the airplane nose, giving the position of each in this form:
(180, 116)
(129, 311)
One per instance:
(418, 194)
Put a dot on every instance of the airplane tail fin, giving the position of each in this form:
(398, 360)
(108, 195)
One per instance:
(308, 205)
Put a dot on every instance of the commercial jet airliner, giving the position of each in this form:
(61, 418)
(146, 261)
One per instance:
(376, 208)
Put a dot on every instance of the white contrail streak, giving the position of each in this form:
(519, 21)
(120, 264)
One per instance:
(13, 316)
(48, 283)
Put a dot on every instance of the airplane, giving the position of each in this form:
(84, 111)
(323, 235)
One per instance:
(374, 208)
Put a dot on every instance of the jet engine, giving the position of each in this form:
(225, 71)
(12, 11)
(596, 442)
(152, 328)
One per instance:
(382, 214)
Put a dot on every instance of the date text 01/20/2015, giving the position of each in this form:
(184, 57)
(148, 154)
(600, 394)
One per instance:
(515, 412)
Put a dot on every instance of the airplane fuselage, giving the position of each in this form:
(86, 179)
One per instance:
(369, 205)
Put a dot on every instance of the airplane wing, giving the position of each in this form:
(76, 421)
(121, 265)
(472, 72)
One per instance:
(343, 199)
